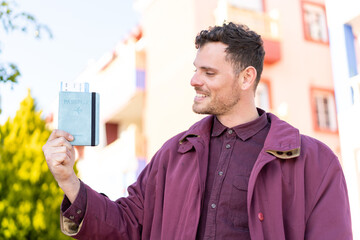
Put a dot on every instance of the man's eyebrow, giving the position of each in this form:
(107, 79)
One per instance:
(207, 68)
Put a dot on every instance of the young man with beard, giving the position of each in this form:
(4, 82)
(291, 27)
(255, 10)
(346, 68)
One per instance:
(240, 173)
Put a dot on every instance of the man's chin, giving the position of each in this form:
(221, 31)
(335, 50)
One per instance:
(200, 111)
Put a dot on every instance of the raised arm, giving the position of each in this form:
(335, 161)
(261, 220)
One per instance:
(101, 217)
(60, 158)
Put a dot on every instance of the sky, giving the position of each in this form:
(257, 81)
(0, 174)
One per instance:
(83, 31)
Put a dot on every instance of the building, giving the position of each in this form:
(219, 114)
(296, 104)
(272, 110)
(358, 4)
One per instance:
(297, 82)
(344, 29)
(146, 96)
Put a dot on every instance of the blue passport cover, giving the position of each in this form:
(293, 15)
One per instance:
(79, 116)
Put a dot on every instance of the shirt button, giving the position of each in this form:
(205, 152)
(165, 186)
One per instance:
(261, 216)
(78, 211)
(230, 131)
(213, 205)
(228, 146)
(221, 173)
(72, 217)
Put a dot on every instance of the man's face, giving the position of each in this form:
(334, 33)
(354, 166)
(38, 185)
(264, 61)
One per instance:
(217, 89)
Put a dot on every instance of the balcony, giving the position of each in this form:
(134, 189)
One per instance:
(264, 24)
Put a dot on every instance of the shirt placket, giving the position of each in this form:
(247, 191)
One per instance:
(221, 170)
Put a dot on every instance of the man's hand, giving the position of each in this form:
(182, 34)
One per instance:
(60, 158)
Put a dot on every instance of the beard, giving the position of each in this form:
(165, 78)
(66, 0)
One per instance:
(219, 105)
(215, 107)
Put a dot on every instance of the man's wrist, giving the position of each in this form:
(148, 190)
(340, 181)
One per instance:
(71, 188)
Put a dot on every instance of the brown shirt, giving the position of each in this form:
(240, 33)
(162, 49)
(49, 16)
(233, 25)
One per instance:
(233, 152)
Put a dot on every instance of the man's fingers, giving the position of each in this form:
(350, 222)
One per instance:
(61, 151)
(59, 158)
(57, 133)
(59, 141)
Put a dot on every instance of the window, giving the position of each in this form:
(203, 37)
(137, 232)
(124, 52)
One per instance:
(324, 110)
(356, 52)
(314, 19)
(262, 97)
(111, 132)
(350, 45)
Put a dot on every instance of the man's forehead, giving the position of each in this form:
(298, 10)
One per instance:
(210, 52)
(214, 45)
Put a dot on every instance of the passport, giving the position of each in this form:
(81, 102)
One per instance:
(79, 116)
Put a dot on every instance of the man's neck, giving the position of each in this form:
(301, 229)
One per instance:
(238, 118)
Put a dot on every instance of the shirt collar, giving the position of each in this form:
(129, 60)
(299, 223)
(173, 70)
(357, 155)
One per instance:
(243, 131)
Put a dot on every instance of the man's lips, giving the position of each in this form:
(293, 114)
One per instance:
(200, 96)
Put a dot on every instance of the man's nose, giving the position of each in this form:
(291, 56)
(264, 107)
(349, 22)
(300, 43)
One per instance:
(196, 80)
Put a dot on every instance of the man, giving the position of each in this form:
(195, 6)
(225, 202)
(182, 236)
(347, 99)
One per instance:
(239, 173)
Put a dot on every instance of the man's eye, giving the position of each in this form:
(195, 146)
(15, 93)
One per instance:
(210, 73)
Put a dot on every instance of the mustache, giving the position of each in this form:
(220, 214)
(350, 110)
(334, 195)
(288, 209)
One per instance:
(201, 90)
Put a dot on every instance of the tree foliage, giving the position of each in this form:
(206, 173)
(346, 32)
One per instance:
(29, 195)
(14, 20)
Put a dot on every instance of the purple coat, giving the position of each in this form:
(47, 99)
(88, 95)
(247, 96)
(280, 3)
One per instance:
(296, 191)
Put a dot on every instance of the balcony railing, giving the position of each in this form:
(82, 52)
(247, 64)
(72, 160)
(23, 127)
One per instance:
(267, 25)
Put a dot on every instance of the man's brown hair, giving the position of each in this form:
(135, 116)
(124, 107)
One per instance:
(244, 46)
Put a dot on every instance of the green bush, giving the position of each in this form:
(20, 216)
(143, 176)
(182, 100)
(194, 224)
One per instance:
(29, 195)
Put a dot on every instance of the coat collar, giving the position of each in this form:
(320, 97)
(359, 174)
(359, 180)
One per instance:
(200, 130)
(282, 141)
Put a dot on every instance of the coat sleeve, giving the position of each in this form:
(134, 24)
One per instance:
(329, 217)
(120, 219)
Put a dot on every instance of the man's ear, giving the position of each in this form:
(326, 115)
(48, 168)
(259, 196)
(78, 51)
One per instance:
(248, 77)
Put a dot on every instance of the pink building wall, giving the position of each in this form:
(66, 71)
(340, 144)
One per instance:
(170, 27)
